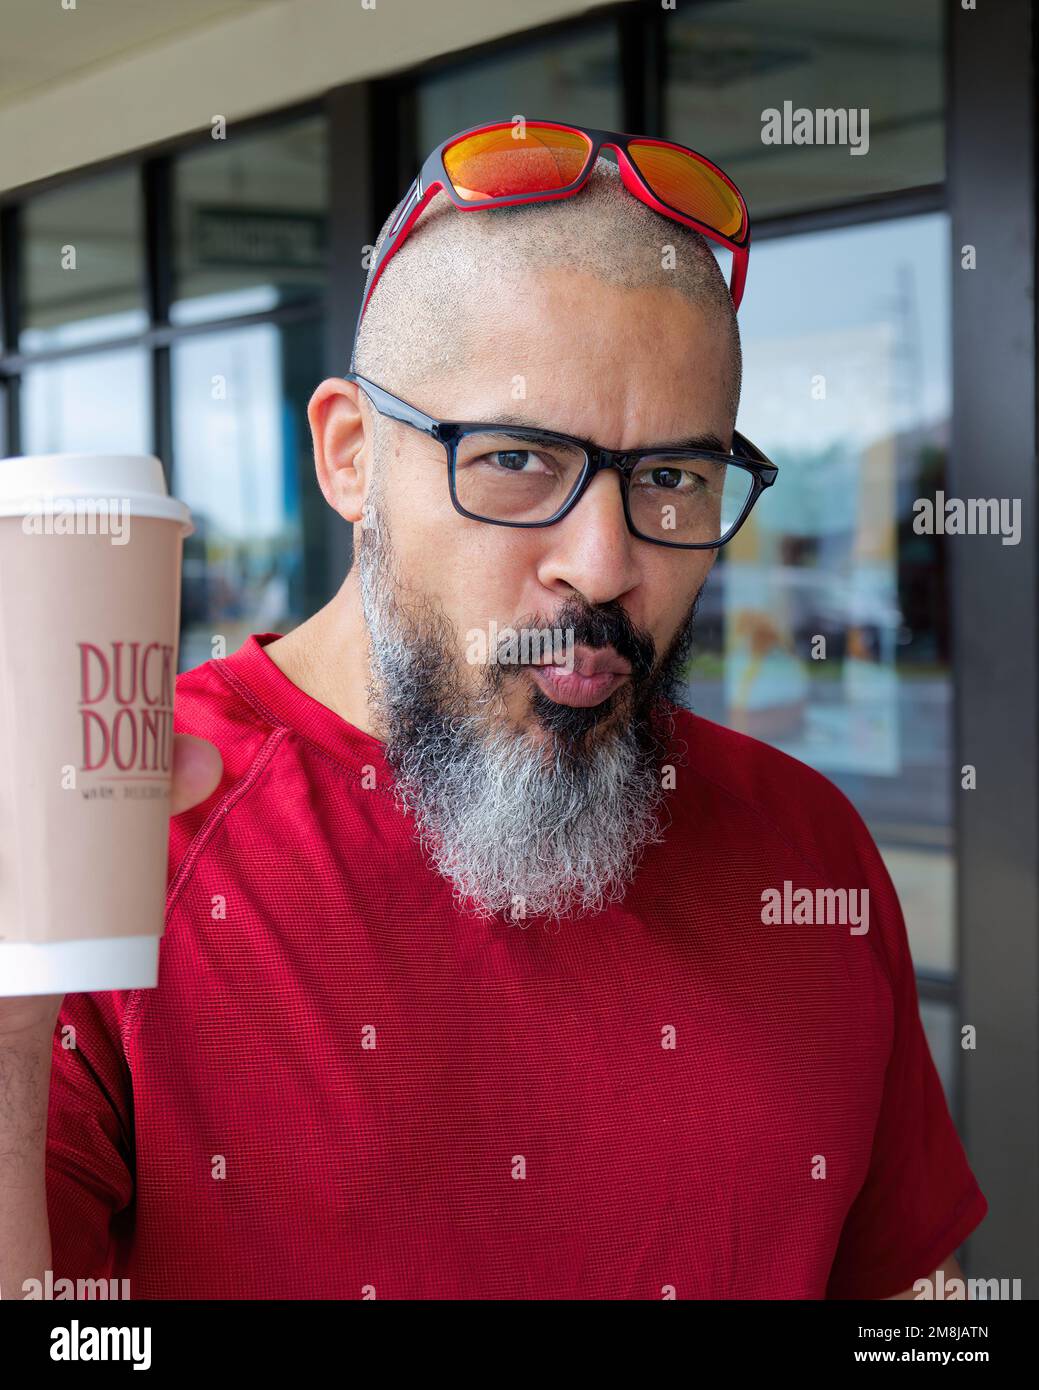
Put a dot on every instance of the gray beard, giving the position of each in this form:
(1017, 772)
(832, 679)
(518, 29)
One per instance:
(520, 830)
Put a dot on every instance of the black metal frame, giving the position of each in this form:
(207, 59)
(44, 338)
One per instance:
(994, 588)
(10, 275)
(450, 433)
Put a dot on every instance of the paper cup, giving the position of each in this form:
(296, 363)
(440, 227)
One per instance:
(90, 563)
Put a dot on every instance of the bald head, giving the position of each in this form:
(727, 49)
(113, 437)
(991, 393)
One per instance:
(423, 320)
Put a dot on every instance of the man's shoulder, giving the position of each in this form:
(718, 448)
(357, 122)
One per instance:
(762, 785)
(212, 702)
(746, 764)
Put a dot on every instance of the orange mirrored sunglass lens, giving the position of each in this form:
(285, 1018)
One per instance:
(688, 186)
(515, 160)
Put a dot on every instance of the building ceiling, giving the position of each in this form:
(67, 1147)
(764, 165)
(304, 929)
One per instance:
(42, 43)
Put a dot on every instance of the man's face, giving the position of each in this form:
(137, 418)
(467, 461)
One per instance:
(528, 786)
(587, 359)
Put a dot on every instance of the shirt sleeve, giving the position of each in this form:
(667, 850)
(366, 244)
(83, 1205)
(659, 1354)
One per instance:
(920, 1199)
(89, 1136)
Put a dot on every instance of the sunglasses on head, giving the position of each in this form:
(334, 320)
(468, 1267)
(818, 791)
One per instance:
(509, 163)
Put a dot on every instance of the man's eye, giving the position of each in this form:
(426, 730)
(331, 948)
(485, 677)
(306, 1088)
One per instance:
(515, 461)
(673, 479)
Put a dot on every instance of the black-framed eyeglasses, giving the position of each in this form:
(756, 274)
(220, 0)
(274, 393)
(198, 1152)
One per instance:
(512, 475)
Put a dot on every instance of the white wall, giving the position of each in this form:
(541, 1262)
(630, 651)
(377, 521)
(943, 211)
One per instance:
(278, 54)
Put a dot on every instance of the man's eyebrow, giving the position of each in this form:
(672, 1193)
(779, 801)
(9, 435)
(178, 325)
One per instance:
(708, 441)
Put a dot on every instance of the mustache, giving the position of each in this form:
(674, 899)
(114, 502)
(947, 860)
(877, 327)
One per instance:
(598, 626)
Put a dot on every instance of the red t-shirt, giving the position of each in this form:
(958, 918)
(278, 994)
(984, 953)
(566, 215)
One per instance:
(344, 1086)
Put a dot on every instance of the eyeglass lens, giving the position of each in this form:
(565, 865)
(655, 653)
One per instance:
(681, 500)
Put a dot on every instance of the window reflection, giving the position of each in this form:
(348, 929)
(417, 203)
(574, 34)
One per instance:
(730, 60)
(573, 77)
(242, 465)
(823, 627)
(100, 402)
(84, 263)
(250, 223)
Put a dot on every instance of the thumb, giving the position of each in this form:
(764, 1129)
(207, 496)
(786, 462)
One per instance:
(197, 768)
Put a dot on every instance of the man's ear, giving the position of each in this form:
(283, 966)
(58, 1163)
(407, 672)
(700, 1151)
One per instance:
(342, 445)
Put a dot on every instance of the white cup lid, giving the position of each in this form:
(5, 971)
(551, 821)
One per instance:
(137, 480)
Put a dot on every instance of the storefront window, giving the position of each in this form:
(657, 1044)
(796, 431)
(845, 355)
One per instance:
(83, 263)
(572, 77)
(98, 402)
(823, 629)
(243, 466)
(729, 61)
(250, 222)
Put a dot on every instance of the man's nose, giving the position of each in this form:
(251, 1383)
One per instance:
(592, 550)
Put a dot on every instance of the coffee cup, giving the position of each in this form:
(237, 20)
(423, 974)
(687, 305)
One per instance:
(90, 567)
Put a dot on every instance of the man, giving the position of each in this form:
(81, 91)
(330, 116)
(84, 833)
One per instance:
(467, 988)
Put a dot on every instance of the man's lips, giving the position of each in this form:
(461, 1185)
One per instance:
(598, 661)
(596, 674)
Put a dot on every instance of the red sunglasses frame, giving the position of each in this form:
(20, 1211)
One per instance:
(433, 178)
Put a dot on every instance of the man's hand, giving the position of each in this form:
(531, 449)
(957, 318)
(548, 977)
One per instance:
(26, 1035)
(197, 768)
